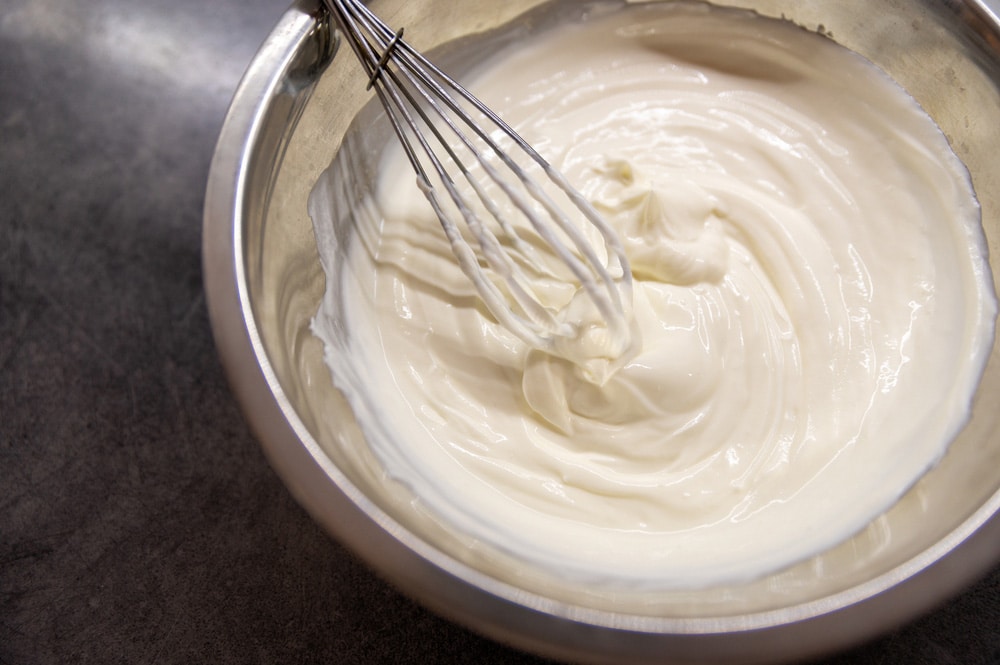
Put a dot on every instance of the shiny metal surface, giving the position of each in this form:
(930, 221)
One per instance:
(437, 164)
(264, 281)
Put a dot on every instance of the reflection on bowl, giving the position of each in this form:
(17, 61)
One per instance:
(264, 283)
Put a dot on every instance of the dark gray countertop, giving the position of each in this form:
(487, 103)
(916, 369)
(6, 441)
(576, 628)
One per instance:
(139, 521)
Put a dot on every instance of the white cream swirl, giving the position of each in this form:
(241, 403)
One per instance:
(812, 296)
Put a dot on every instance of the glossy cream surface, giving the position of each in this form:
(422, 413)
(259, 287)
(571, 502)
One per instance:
(812, 302)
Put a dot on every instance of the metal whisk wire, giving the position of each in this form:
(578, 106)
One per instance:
(422, 104)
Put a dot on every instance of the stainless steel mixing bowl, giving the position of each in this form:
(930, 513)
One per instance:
(264, 282)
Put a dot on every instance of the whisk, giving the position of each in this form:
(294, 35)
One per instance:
(436, 121)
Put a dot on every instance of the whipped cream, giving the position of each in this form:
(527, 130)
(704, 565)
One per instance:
(812, 300)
